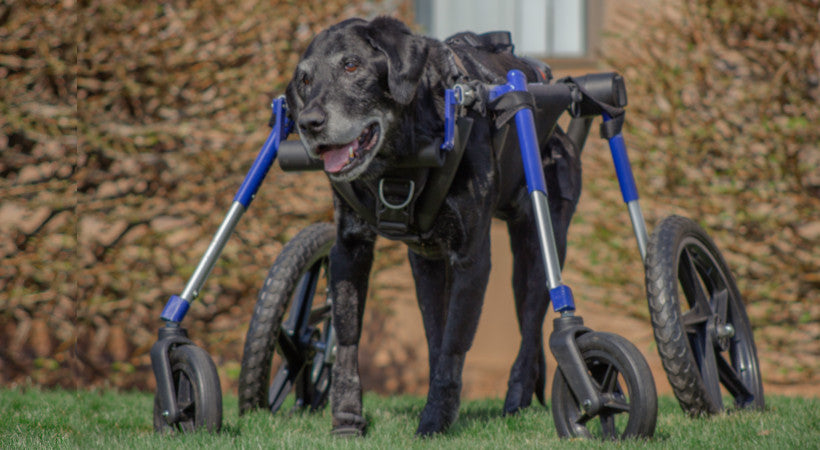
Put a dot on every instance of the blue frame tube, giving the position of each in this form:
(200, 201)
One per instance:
(177, 305)
(264, 160)
(623, 169)
(449, 120)
(629, 190)
(560, 294)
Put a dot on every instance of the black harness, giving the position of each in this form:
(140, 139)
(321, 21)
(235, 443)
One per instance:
(405, 201)
(408, 198)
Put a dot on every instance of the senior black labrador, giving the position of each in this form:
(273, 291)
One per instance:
(368, 95)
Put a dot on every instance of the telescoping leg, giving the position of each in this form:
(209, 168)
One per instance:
(599, 376)
(178, 305)
(562, 341)
(629, 190)
(560, 294)
(188, 395)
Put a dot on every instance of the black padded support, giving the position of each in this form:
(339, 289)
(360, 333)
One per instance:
(293, 157)
(552, 100)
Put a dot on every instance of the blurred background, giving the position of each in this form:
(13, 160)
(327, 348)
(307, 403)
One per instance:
(126, 127)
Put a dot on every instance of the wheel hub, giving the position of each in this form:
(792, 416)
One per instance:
(721, 332)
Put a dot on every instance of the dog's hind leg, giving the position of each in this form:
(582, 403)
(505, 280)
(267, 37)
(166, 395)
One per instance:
(468, 280)
(528, 373)
(350, 262)
(563, 178)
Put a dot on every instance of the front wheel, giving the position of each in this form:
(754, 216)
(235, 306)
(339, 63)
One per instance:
(197, 390)
(703, 334)
(624, 383)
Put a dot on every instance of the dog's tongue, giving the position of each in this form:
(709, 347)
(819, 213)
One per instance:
(336, 158)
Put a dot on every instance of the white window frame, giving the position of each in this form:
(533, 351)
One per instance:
(546, 29)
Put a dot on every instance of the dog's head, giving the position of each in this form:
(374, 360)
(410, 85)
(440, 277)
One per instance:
(349, 90)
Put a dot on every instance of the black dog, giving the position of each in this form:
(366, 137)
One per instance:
(365, 97)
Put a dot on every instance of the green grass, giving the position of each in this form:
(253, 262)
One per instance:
(32, 418)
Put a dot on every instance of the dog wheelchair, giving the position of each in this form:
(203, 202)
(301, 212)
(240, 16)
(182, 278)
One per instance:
(603, 387)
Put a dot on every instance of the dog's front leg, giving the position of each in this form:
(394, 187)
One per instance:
(350, 262)
(470, 273)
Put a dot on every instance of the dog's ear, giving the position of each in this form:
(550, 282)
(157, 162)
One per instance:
(406, 56)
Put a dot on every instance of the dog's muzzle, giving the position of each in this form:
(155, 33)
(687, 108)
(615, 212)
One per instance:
(339, 158)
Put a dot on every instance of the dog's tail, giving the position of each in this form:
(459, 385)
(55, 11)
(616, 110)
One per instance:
(541, 380)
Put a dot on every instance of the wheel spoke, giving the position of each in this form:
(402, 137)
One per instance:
(319, 315)
(617, 404)
(694, 319)
(289, 348)
(583, 419)
(608, 426)
(720, 300)
(732, 381)
(184, 393)
(610, 379)
(280, 387)
(692, 287)
(303, 388)
(186, 410)
(705, 355)
(185, 398)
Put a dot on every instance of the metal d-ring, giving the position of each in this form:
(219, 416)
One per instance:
(391, 205)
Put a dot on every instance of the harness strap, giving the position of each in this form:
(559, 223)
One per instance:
(405, 202)
(609, 128)
(510, 103)
(396, 200)
(345, 190)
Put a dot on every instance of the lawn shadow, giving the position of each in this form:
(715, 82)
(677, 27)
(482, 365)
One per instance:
(231, 430)
(476, 417)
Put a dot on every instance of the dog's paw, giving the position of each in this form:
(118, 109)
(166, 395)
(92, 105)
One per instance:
(518, 398)
(348, 425)
(436, 419)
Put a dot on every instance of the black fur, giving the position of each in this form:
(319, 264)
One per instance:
(400, 78)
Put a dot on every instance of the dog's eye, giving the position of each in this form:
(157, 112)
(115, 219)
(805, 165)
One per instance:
(306, 81)
(351, 66)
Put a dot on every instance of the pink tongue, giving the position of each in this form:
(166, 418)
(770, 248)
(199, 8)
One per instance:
(337, 158)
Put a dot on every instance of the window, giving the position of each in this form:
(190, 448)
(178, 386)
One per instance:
(540, 28)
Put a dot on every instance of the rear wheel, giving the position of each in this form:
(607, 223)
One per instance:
(197, 390)
(290, 345)
(703, 333)
(624, 383)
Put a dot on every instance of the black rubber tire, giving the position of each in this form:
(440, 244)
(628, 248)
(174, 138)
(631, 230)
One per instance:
(199, 395)
(288, 296)
(706, 340)
(623, 378)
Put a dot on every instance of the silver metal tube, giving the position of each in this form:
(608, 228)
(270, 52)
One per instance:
(639, 226)
(206, 264)
(546, 236)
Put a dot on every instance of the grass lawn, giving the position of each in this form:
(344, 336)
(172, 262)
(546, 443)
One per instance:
(31, 418)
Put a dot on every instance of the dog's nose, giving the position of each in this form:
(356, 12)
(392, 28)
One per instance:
(312, 119)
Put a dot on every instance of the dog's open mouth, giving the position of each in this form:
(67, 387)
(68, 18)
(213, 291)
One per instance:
(338, 158)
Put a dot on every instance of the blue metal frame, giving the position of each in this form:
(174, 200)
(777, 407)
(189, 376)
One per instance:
(629, 190)
(262, 164)
(178, 305)
(560, 294)
(449, 120)
(623, 169)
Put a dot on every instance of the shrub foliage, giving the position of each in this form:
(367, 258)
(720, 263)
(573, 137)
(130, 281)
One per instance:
(125, 128)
